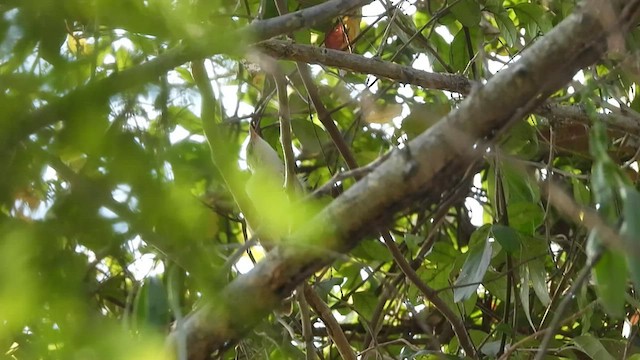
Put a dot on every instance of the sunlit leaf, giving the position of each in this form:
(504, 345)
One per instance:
(538, 276)
(507, 28)
(524, 295)
(473, 270)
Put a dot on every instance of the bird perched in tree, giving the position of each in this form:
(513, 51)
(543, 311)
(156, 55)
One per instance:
(263, 161)
(266, 190)
(262, 158)
(344, 32)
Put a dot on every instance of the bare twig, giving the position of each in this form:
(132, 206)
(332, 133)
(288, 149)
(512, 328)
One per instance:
(324, 116)
(305, 320)
(431, 295)
(557, 317)
(541, 332)
(355, 173)
(621, 120)
(333, 327)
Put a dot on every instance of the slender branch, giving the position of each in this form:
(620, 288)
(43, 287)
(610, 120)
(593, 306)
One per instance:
(502, 217)
(358, 63)
(325, 117)
(305, 319)
(306, 295)
(333, 327)
(290, 179)
(357, 173)
(621, 120)
(431, 295)
(557, 317)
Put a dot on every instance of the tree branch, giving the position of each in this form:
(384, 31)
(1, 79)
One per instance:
(333, 327)
(358, 63)
(432, 295)
(408, 75)
(423, 170)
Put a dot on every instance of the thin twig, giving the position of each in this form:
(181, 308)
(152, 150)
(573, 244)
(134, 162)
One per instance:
(305, 320)
(541, 332)
(557, 317)
(333, 327)
(324, 116)
(355, 173)
(458, 325)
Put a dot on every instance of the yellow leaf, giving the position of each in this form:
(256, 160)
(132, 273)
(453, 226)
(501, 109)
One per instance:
(78, 46)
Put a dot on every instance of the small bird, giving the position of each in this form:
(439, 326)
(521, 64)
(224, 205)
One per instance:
(263, 161)
(262, 158)
(266, 190)
(344, 32)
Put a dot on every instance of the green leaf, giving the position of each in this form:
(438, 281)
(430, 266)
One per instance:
(458, 53)
(314, 140)
(507, 29)
(494, 6)
(534, 18)
(587, 314)
(422, 116)
(581, 193)
(525, 217)
(507, 237)
(524, 295)
(325, 286)
(496, 284)
(269, 9)
(467, 12)
(175, 286)
(413, 242)
(522, 140)
(538, 276)
(364, 302)
(630, 230)
(152, 305)
(519, 186)
(473, 270)
(611, 282)
(372, 250)
(592, 346)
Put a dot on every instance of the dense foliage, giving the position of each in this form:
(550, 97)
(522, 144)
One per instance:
(123, 135)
